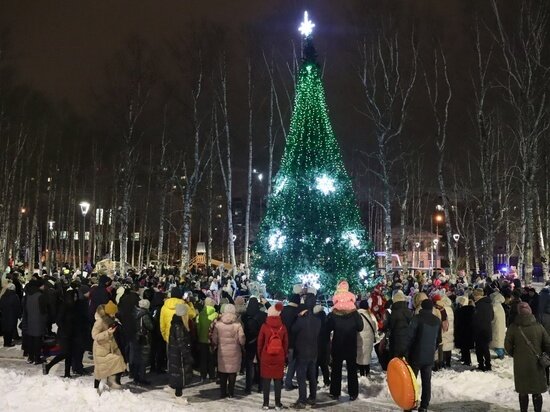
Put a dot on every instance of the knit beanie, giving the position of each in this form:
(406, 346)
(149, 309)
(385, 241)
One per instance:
(275, 310)
(11, 286)
(364, 304)
(239, 301)
(181, 309)
(427, 305)
(110, 308)
(294, 298)
(228, 308)
(209, 302)
(144, 304)
(524, 309)
(176, 292)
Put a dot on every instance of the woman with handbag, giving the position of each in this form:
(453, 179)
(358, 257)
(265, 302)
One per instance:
(527, 341)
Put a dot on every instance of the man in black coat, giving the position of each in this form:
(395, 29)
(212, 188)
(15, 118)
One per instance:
(464, 337)
(252, 319)
(424, 336)
(397, 325)
(483, 332)
(99, 295)
(288, 316)
(345, 324)
(10, 308)
(126, 314)
(305, 334)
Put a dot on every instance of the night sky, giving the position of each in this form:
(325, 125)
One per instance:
(61, 47)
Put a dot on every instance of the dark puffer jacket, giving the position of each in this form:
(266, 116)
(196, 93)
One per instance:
(10, 308)
(288, 316)
(483, 317)
(424, 336)
(35, 311)
(305, 332)
(99, 295)
(464, 336)
(529, 376)
(345, 325)
(180, 360)
(144, 329)
(397, 324)
(127, 314)
(252, 320)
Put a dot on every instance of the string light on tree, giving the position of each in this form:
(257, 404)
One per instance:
(310, 279)
(312, 229)
(276, 240)
(306, 27)
(325, 184)
(352, 238)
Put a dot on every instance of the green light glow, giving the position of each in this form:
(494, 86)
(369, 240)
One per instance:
(312, 208)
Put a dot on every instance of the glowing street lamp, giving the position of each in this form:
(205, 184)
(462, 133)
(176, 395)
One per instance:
(84, 209)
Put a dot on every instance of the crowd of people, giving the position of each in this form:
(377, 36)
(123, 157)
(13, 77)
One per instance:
(220, 325)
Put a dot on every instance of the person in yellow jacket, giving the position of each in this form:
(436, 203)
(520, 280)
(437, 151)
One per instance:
(169, 309)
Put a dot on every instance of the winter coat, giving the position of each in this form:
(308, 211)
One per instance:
(10, 308)
(127, 314)
(99, 295)
(144, 328)
(366, 338)
(345, 325)
(252, 319)
(463, 327)
(305, 334)
(498, 325)
(544, 308)
(424, 336)
(483, 318)
(180, 359)
(448, 336)
(36, 312)
(272, 366)
(323, 346)
(228, 338)
(108, 359)
(529, 376)
(397, 325)
(288, 316)
(207, 315)
(166, 314)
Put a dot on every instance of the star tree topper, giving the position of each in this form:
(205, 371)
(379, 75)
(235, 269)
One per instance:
(306, 27)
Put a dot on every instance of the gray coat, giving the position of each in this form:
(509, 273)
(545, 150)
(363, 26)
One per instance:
(529, 376)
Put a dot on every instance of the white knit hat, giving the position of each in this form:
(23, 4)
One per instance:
(144, 304)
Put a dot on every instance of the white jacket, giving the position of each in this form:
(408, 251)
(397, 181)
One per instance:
(448, 338)
(499, 321)
(366, 338)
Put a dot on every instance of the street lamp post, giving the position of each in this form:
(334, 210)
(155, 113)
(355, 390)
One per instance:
(84, 208)
(49, 246)
(417, 246)
(456, 238)
(435, 243)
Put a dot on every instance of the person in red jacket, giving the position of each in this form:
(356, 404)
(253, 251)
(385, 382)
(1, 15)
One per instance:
(272, 353)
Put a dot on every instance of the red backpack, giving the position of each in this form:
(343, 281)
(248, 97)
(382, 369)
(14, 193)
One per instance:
(275, 343)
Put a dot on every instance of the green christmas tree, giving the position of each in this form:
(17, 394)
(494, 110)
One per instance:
(312, 231)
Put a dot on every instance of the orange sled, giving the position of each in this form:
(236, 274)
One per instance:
(402, 384)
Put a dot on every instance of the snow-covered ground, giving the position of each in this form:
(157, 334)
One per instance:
(24, 388)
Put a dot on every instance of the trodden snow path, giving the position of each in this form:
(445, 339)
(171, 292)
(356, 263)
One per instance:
(24, 388)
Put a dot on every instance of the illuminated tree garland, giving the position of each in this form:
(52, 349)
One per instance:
(312, 230)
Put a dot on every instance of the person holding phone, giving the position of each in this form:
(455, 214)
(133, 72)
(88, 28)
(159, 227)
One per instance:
(108, 360)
